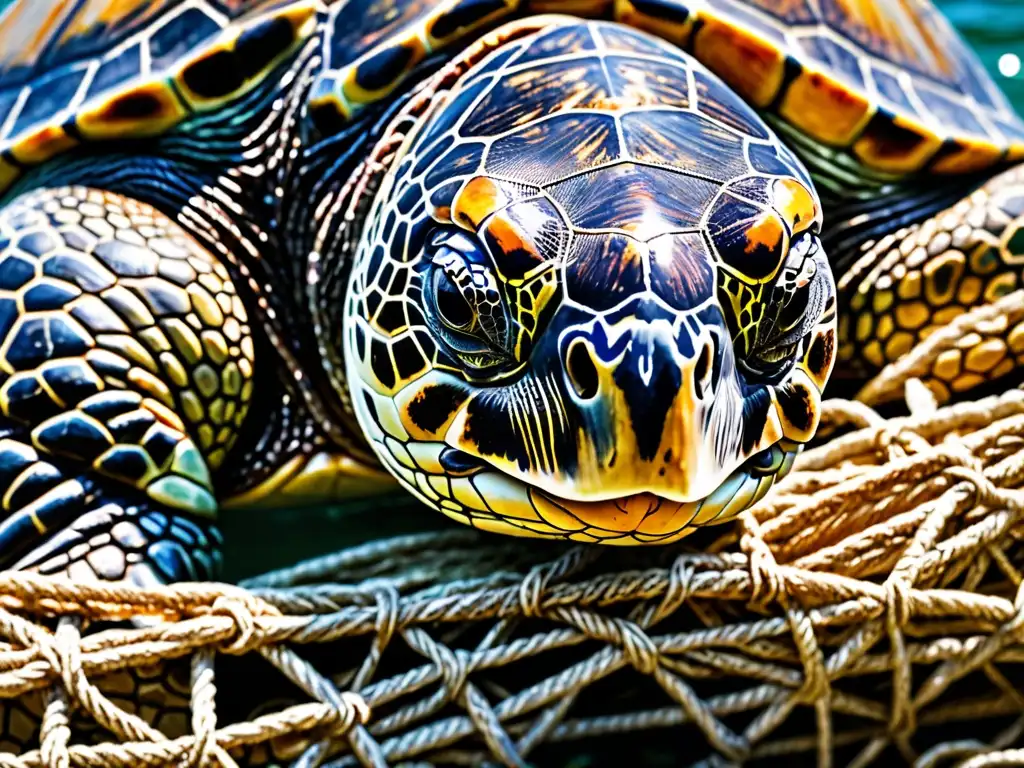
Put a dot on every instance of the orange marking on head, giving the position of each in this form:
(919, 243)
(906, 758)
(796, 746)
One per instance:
(795, 204)
(508, 236)
(766, 232)
(477, 200)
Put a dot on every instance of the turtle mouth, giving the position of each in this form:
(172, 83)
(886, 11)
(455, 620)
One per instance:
(638, 518)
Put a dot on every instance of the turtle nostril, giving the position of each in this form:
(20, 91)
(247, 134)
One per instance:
(581, 371)
(702, 371)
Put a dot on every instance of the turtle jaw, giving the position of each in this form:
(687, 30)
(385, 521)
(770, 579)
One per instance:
(635, 519)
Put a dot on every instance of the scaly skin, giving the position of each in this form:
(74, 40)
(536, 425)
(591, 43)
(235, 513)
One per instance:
(915, 281)
(125, 372)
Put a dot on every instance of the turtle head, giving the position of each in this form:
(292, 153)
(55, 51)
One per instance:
(590, 299)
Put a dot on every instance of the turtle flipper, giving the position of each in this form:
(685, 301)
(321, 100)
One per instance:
(916, 281)
(125, 373)
(59, 522)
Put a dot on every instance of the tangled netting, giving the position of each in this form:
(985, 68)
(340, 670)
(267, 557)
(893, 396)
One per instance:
(870, 610)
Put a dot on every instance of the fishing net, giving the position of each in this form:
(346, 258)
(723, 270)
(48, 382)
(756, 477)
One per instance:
(870, 610)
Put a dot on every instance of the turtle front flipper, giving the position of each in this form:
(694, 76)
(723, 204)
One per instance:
(916, 281)
(125, 373)
(57, 521)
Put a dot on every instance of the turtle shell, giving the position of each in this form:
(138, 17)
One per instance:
(892, 83)
(76, 72)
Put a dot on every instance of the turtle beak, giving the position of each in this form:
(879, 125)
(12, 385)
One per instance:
(661, 405)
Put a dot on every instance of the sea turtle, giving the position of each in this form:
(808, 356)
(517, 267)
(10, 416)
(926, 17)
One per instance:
(555, 267)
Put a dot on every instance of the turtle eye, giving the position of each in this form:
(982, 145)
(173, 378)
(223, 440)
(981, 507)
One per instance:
(463, 304)
(792, 308)
(452, 305)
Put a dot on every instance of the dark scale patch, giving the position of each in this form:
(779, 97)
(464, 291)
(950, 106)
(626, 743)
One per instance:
(9, 313)
(756, 407)
(113, 404)
(942, 277)
(493, 62)
(47, 296)
(28, 401)
(123, 67)
(410, 197)
(179, 36)
(373, 301)
(462, 160)
(358, 25)
(381, 363)
(160, 446)
(554, 149)
(795, 401)
(686, 142)
(384, 67)
(48, 96)
(133, 106)
(535, 92)
(127, 463)
(766, 158)
(490, 429)
(604, 270)
(132, 427)
(15, 272)
(718, 102)
(444, 120)
(13, 463)
(391, 318)
(258, 45)
(71, 381)
(646, 202)
(432, 407)
(748, 239)
(681, 271)
(674, 12)
(443, 196)
(215, 75)
(820, 354)
(73, 436)
(408, 358)
(360, 341)
(426, 159)
(464, 14)
(888, 139)
(427, 343)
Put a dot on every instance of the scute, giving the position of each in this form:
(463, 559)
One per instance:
(892, 82)
(100, 69)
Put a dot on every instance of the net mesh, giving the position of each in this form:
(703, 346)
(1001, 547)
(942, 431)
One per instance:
(870, 610)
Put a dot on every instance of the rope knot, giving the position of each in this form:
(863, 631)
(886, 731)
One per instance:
(246, 638)
(638, 648)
